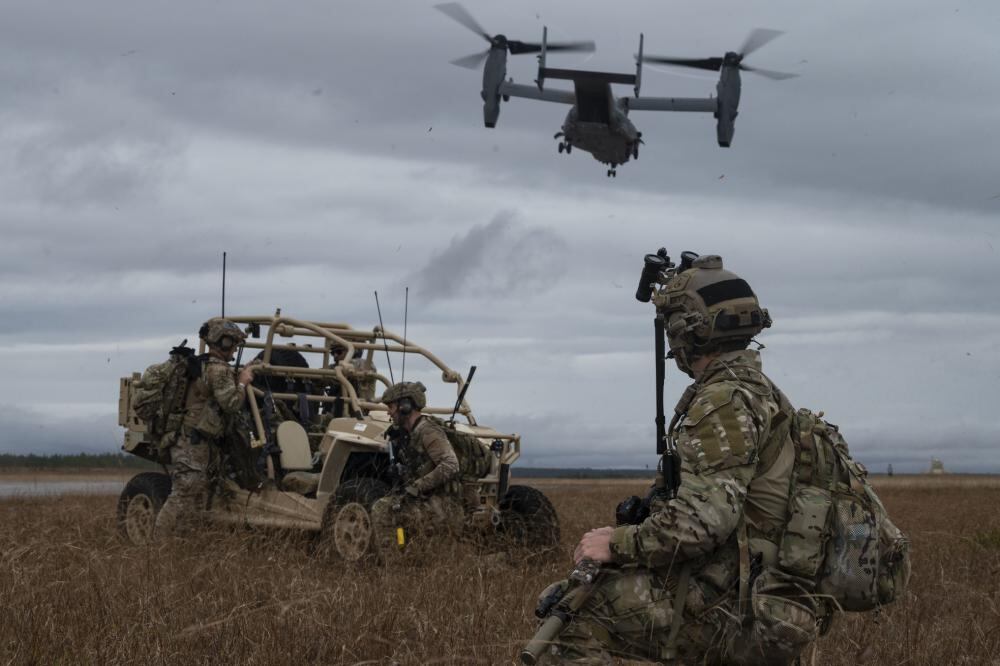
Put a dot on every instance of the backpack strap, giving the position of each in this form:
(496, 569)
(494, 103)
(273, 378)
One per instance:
(669, 652)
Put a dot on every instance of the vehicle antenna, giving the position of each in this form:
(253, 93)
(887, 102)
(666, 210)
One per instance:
(223, 285)
(461, 395)
(385, 343)
(406, 312)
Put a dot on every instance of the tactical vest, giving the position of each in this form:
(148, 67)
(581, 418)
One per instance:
(202, 412)
(417, 462)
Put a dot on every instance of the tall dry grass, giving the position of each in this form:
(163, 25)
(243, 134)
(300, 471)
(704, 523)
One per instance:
(72, 592)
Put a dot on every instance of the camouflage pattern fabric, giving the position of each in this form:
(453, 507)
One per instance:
(415, 391)
(189, 487)
(212, 403)
(361, 373)
(430, 464)
(725, 431)
(214, 399)
(629, 615)
(434, 516)
(718, 441)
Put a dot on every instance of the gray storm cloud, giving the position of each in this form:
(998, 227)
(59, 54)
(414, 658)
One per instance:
(332, 150)
(498, 259)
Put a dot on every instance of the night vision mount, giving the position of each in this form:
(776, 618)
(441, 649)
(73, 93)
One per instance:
(657, 269)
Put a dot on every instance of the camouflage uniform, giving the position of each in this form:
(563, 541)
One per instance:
(211, 401)
(732, 504)
(361, 373)
(431, 469)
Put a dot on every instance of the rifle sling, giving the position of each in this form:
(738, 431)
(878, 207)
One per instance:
(680, 597)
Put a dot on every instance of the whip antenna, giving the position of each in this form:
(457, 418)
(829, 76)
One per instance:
(223, 285)
(406, 312)
(385, 344)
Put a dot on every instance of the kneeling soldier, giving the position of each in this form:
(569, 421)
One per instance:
(674, 583)
(431, 499)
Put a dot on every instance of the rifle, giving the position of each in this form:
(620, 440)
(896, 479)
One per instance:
(461, 396)
(558, 608)
(633, 510)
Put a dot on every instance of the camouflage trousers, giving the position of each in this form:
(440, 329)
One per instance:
(437, 515)
(189, 465)
(630, 612)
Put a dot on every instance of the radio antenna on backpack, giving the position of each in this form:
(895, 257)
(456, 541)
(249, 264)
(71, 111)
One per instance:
(223, 285)
(406, 313)
(385, 343)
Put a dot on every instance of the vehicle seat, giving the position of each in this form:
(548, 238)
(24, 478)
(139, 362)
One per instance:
(296, 459)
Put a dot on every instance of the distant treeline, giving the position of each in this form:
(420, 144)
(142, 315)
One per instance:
(76, 460)
(580, 473)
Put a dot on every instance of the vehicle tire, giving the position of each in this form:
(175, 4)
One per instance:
(528, 518)
(347, 523)
(139, 504)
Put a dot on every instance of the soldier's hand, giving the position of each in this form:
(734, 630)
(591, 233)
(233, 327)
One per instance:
(246, 375)
(595, 545)
(412, 491)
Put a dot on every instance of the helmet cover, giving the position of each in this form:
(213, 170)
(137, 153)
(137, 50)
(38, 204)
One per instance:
(415, 391)
(217, 328)
(707, 309)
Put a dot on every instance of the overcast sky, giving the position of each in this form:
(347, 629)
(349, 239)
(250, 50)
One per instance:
(332, 150)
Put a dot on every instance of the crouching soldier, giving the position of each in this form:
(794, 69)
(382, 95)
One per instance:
(430, 500)
(674, 585)
(211, 401)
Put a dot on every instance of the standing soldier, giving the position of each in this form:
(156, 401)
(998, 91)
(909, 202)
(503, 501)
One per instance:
(212, 399)
(672, 581)
(432, 495)
(359, 371)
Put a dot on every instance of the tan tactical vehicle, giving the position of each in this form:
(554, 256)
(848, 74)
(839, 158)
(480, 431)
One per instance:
(312, 453)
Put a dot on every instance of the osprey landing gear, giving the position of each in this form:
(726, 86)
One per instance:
(567, 146)
(612, 172)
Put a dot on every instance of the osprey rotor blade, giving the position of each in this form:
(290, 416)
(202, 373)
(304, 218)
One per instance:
(758, 38)
(517, 47)
(769, 73)
(471, 61)
(461, 15)
(711, 64)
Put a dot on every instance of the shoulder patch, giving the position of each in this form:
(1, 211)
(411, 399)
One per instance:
(707, 400)
(717, 432)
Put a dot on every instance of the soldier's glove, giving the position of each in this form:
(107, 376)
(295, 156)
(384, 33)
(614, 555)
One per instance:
(412, 492)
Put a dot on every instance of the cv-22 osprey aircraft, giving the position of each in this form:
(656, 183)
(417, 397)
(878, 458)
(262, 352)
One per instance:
(598, 122)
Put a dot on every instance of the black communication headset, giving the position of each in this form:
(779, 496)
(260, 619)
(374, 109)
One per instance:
(226, 343)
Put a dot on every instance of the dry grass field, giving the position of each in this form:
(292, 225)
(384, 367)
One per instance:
(73, 592)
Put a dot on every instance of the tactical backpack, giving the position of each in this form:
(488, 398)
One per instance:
(839, 538)
(158, 397)
(473, 456)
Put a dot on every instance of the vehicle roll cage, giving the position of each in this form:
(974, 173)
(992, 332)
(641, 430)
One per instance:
(334, 334)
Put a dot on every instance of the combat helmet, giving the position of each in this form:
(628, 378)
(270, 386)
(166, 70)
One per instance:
(708, 309)
(216, 329)
(415, 391)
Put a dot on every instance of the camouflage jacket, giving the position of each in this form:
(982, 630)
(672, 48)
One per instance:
(430, 463)
(732, 423)
(361, 373)
(213, 399)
